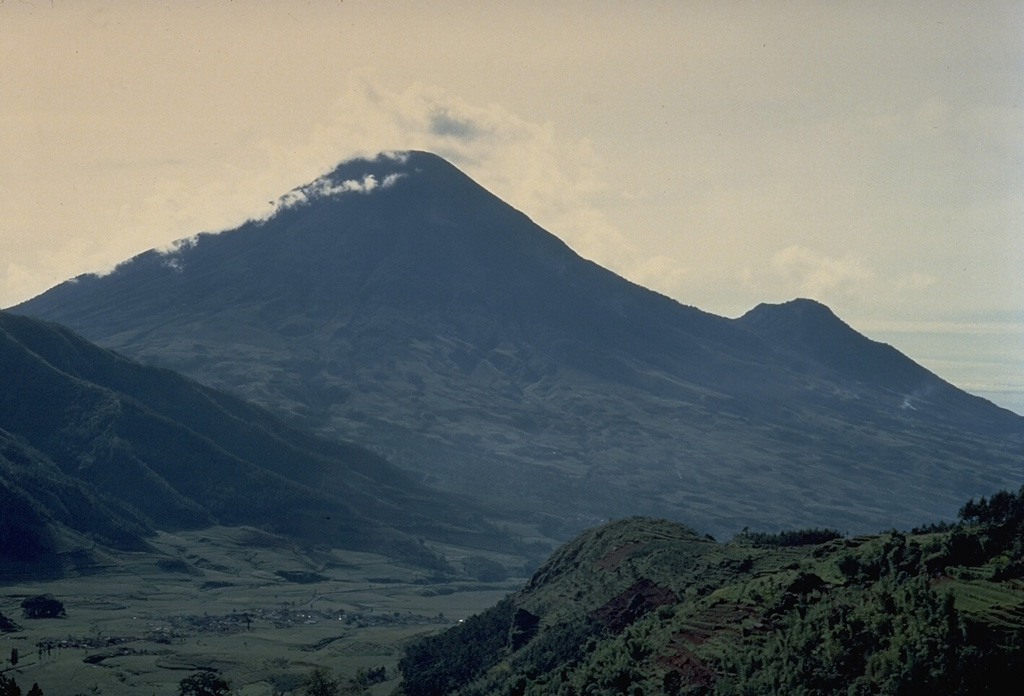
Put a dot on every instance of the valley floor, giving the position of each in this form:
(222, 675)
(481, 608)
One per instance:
(251, 606)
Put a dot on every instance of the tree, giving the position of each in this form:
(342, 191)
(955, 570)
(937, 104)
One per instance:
(43, 607)
(204, 684)
(367, 677)
(35, 690)
(14, 657)
(8, 626)
(8, 687)
(320, 682)
(438, 665)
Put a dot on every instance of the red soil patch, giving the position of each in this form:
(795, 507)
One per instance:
(628, 606)
(725, 617)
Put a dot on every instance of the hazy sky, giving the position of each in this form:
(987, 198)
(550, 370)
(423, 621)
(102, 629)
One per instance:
(867, 154)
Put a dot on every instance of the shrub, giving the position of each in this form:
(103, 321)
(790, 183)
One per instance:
(204, 684)
(43, 607)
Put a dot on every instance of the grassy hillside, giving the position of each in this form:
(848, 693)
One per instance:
(643, 606)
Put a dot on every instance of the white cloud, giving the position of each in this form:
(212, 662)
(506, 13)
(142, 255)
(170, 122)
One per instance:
(848, 281)
(325, 187)
(798, 270)
(178, 245)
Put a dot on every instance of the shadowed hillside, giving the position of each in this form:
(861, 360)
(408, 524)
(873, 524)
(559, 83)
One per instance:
(95, 448)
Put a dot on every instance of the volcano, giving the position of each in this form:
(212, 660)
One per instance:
(396, 303)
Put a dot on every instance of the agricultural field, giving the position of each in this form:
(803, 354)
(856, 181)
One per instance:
(252, 606)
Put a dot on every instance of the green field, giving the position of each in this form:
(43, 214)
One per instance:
(249, 605)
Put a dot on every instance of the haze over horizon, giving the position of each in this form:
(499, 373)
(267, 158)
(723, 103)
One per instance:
(867, 156)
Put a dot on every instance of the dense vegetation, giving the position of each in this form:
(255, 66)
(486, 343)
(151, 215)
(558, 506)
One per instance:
(799, 537)
(438, 665)
(647, 607)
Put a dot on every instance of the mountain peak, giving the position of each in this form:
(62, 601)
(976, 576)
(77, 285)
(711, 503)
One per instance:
(365, 175)
(802, 323)
(390, 163)
(801, 310)
(811, 330)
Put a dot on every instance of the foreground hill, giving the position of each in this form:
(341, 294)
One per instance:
(95, 448)
(643, 606)
(396, 303)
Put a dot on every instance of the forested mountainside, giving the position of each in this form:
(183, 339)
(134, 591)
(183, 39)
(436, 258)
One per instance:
(96, 448)
(395, 303)
(644, 606)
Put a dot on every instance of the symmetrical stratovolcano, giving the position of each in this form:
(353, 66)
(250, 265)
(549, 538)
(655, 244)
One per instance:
(397, 303)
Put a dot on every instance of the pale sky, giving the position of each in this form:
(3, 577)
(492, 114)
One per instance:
(867, 154)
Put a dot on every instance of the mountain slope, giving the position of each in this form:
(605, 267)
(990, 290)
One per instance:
(48, 519)
(648, 606)
(96, 445)
(396, 303)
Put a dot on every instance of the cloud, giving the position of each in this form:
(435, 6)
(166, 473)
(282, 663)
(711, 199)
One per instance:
(806, 272)
(171, 253)
(325, 187)
(555, 178)
(178, 245)
(442, 123)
